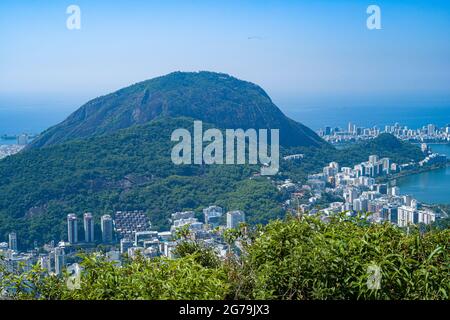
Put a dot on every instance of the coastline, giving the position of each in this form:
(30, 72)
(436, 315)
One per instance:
(392, 181)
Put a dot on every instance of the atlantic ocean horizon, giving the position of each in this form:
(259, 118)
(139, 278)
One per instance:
(35, 120)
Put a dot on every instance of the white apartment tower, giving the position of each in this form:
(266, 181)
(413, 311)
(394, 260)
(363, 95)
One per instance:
(72, 228)
(107, 228)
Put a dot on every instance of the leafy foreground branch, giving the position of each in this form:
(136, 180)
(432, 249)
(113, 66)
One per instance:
(292, 259)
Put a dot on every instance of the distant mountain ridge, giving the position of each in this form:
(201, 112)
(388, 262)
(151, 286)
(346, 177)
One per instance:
(215, 98)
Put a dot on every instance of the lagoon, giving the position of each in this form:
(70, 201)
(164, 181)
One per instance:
(431, 187)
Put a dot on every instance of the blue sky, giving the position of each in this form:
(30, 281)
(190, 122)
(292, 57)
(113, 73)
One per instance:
(303, 53)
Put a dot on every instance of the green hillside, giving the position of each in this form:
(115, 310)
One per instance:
(128, 170)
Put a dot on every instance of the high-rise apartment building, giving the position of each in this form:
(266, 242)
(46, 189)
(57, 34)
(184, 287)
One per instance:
(107, 228)
(59, 260)
(72, 228)
(234, 218)
(88, 222)
(12, 241)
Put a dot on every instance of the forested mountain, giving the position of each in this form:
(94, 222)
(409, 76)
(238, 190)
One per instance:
(127, 170)
(216, 98)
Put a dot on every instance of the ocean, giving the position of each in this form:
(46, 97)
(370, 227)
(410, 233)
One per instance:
(413, 117)
(30, 120)
(34, 120)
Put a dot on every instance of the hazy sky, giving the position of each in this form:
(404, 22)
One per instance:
(303, 53)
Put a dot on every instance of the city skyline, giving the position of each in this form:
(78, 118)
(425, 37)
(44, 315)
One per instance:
(429, 133)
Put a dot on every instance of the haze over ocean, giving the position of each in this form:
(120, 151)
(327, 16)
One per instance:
(34, 120)
(29, 120)
(413, 117)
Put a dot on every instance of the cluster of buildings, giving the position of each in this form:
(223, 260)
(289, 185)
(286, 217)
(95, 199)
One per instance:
(8, 149)
(428, 133)
(209, 231)
(129, 232)
(359, 192)
(106, 225)
(50, 257)
(21, 139)
(432, 158)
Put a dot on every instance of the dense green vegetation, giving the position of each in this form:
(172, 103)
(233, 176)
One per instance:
(139, 279)
(444, 222)
(314, 260)
(385, 145)
(129, 170)
(292, 259)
